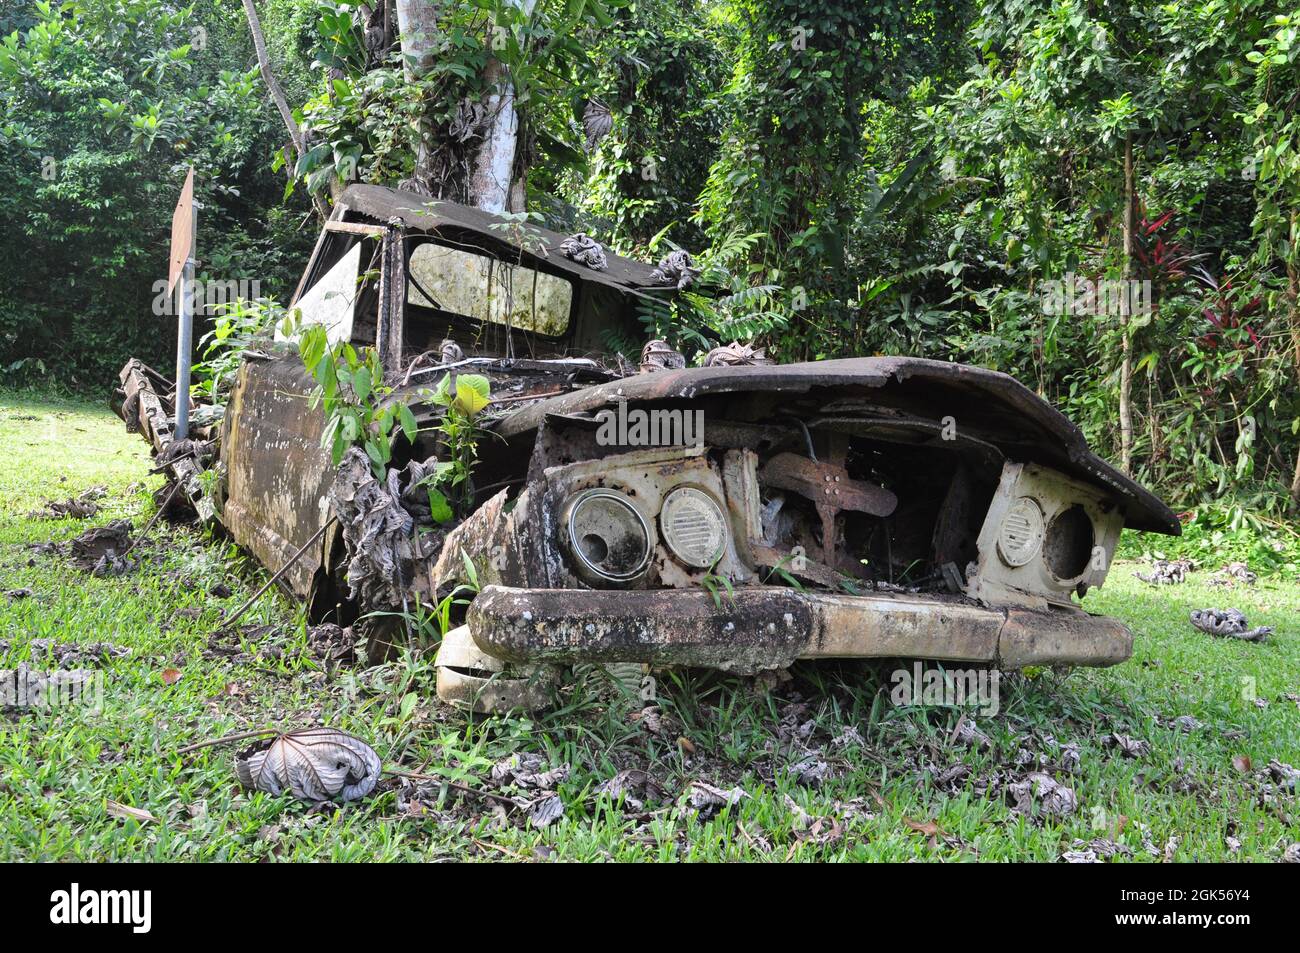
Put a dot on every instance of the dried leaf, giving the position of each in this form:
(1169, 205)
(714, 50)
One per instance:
(1080, 857)
(708, 800)
(1229, 623)
(125, 812)
(546, 811)
(850, 737)
(968, 734)
(528, 770)
(928, 828)
(597, 121)
(1128, 746)
(810, 771)
(1285, 775)
(314, 764)
(633, 785)
(1040, 793)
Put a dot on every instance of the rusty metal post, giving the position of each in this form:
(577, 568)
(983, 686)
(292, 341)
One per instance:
(185, 332)
(392, 301)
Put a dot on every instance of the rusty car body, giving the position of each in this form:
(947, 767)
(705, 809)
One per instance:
(734, 516)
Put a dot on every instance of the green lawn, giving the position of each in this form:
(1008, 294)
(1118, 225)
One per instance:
(907, 791)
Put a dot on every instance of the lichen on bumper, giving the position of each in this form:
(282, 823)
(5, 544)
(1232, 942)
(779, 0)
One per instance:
(761, 627)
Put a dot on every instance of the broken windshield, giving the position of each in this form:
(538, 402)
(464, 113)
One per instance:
(476, 286)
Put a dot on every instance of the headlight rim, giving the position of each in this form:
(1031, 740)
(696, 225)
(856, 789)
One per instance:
(584, 565)
(1037, 532)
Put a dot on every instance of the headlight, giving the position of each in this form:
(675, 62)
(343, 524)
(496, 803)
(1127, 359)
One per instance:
(693, 527)
(607, 535)
(1045, 537)
(1021, 532)
(1068, 545)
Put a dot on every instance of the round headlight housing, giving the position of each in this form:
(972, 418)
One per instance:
(1021, 534)
(693, 526)
(1067, 550)
(607, 536)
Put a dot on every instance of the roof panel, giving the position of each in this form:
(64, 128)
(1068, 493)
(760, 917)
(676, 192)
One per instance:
(421, 213)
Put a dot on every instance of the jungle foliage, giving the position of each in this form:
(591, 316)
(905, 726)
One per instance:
(957, 180)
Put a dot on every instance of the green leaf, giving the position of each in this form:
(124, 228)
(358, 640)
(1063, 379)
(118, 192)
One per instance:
(312, 158)
(470, 572)
(361, 383)
(409, 701)
(473, 391)
(407, 420)
(439, 507)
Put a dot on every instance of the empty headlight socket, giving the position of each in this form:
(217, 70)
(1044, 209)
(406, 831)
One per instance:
(1045, 536)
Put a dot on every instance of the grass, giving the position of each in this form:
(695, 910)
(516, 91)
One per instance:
(908, 791)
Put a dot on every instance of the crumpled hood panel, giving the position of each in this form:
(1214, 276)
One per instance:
(990, 404)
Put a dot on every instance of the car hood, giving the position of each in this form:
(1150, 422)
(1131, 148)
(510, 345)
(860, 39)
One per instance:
(987, 404)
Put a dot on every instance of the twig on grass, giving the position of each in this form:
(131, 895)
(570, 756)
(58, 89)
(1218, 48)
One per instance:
(162, 507)
(226, 623)
(463, 788)
(240, 736)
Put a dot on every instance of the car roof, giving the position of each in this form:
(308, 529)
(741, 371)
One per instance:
(421, 213)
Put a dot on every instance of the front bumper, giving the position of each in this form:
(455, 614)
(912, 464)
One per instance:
(767, 627)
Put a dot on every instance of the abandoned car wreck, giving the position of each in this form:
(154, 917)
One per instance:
(740, 515)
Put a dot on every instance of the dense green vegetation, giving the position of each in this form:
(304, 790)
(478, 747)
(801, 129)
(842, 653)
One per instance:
(947, 179)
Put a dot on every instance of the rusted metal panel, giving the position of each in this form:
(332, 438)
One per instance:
(831, 489)
(1034, 582)
(542, 246)
(144, 410)
(390, 339)
(339, 211)
(355, 228)
(182, 232)
(761, 629)
(1053, 637)
(986, 405)
(278, 477)
(472, 680)
(769, 627)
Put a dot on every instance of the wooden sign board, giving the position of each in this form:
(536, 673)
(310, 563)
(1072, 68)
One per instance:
(182, 232)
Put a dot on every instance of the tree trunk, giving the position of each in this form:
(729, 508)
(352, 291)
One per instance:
(492, 179)
(277, 93)
(417, 26)
(1293, 308)
(1295, 481)
(1126, 358)
(272, 84)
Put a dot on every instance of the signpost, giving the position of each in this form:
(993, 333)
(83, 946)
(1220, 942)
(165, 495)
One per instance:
(185, 225)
